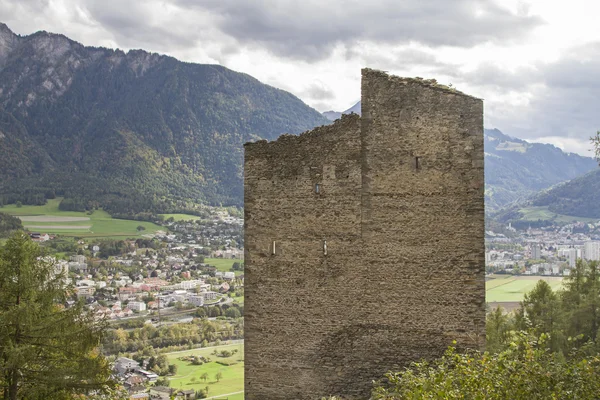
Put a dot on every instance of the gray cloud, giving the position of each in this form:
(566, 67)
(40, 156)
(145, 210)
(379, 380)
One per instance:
(563, 95)
(129, 22)
(310, 30)
(318, 91)
(490, 74)
(307, 31)
(565, 98)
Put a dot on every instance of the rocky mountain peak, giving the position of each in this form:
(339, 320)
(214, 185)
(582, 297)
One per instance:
(5, 30)
(8, 40)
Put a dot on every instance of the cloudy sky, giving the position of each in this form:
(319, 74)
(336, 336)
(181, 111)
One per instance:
(535, 62)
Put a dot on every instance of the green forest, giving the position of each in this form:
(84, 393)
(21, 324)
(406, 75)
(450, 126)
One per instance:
(130, 139)
(9, 224)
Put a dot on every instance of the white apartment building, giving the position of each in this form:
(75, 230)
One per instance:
(197, 300)
(536, 252)
(137, 306)
(209, 295)
(591, 250)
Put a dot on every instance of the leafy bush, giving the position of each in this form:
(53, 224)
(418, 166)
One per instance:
(527, 369)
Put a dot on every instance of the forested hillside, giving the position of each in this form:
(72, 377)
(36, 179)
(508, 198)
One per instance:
(579, 197)
(130, 132)
(515, 169)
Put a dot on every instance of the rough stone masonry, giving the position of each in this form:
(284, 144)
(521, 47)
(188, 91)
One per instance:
(364, 242)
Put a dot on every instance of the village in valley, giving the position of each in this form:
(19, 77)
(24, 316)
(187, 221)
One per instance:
(516, 259)
(173, 299)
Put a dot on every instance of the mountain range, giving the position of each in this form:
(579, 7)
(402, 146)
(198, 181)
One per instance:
(515, 170)
(130, 132)
(141, 132)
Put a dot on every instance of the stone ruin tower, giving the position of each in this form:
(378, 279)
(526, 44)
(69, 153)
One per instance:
(364, 242)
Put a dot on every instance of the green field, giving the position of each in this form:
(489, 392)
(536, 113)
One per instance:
(49, 219)
(181, 217)
(507, 288)
(233, 375)
(535, 213)
(223, 264)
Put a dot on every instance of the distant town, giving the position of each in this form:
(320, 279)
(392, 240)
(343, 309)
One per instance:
(546, 251)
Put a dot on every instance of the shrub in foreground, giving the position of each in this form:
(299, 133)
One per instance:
(525, 370)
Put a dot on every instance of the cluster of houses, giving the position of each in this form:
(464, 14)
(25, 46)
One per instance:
(135, 379)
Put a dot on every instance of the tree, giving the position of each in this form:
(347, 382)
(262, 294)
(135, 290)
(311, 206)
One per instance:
(219, 376)
(232, 312)
(46, 350)
(596, 142)
(172, 369)
(497, 330)
(204, 377)
(141, 228)
(581, 300)
(542, 309)
(19, 204)
(163, 381)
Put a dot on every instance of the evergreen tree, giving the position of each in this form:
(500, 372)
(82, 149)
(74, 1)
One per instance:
(47, 351)
(542, 309)
(498, 327)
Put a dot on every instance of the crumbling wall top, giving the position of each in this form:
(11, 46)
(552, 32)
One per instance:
(289, 139)
(430, 83)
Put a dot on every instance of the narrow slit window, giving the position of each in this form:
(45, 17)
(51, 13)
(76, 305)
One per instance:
(273, 248)
(324, 247)
(317, 188)
(417, 163)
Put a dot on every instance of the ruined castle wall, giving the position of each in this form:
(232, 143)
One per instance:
(400, 206)
(294, 298)
(422, 221)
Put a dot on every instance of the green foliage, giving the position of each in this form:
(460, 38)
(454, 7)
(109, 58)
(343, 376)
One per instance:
(525, 370)
(232, 313)
(9, 224)
(163, 381)
(138, 339)
(578, 197)
(568, 315)
(47, 351)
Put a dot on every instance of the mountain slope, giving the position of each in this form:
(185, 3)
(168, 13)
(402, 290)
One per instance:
(130, 131)
(516, 169)
(333, 115)
(579, 197)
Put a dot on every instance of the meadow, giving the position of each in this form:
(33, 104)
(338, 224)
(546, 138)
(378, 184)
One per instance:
(542, 213)
(181, 217)
(230, 386)
(99, 224)
(223, 264)
(508, 288)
